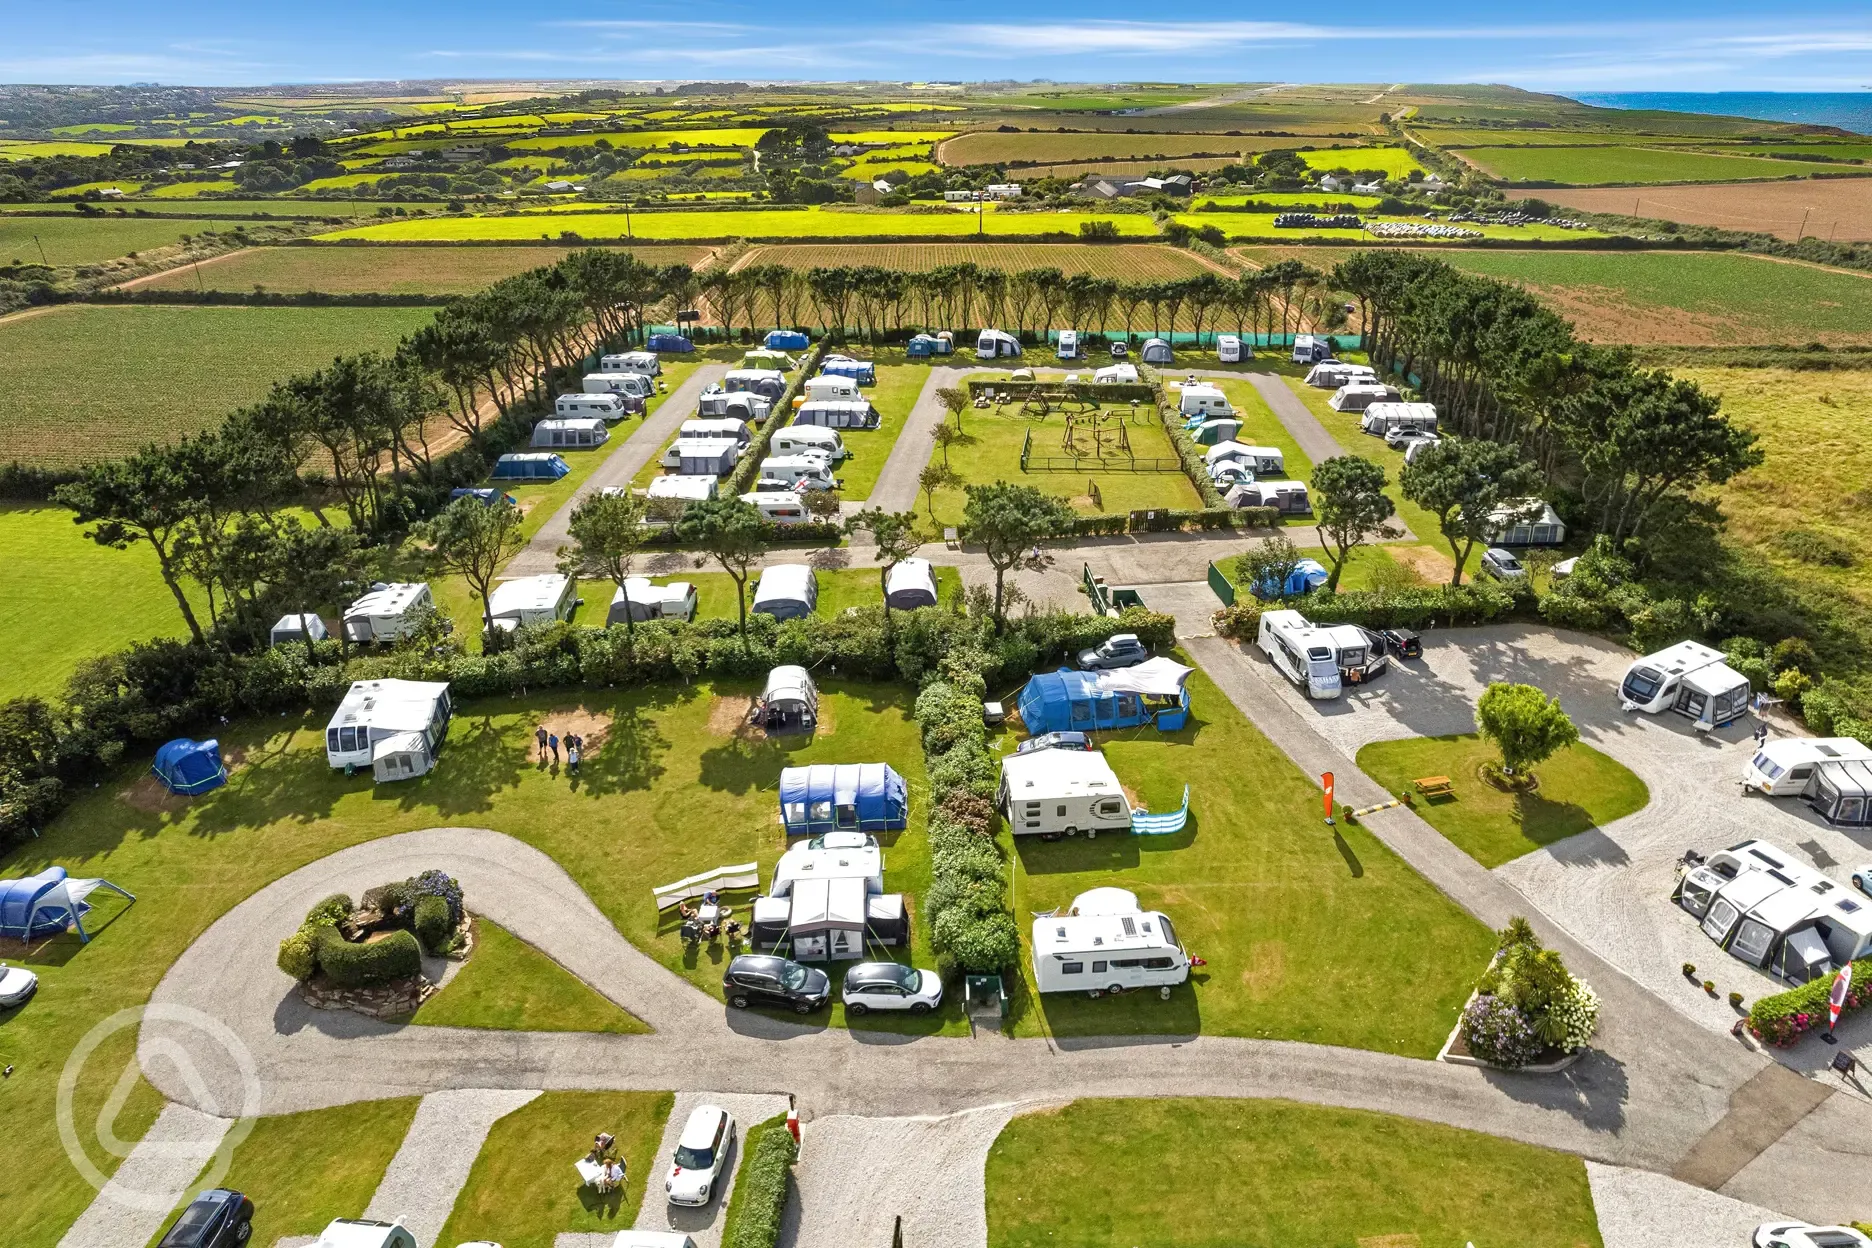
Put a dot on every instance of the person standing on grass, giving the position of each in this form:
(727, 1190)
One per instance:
(572, 758)
(539, 735)
(552, 740)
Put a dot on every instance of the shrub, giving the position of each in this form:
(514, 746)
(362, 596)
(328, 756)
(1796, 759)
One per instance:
(978, 942)
(1809, 546)
(433, 927)
(395, 956)
(388, 899)
(433, 883)
(333, 910)
(296, 954)
(1498, 1033)
(760, 1194)
(1782, 1019)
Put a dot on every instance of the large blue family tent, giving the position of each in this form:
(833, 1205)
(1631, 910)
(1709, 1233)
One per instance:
(834, 797)
(189, 767)
(674, 344)
(1126, 697)
(1307, 576)
(529, 466)
(44, 905)
(787, 340)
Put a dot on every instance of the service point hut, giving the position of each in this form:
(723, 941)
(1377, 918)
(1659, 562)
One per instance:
(789, 702)
(911, 584)
(1127, 697)
(843, 797)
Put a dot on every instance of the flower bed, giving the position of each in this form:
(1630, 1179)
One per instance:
(1784, 1018)
(1528, 1011)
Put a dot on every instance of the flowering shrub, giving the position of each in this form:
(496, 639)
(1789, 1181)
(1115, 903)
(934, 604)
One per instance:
(1576, 1016)
(1498, 1033)
(438, 884)
(1782, 1019)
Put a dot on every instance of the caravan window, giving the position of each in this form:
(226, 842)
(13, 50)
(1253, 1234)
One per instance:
(1098, 968)
(331, 740)
(1643, 684)
(409, 768)
(346, 740)
(1060, 810)
(1773, 769)
(1072, 968)
(1169, 933)
(1110, 806)
(1127, 704)
(1158, 964)
(1799, 773)
(1751, 942)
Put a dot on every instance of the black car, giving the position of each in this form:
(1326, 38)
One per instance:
(1402, 642)
(760, 979)
(218, 1218)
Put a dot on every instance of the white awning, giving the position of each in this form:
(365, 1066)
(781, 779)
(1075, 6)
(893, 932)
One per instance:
(1158, 677)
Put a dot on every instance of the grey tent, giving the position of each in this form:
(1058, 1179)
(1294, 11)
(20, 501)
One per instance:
(790, 700)
(911, 584)
(1156, 351)
(787, 591)
(837, 414)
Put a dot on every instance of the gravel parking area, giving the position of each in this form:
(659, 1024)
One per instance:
(703, 1225)
(1640, 1209)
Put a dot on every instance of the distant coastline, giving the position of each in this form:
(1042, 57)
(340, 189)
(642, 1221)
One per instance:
(1849, 110)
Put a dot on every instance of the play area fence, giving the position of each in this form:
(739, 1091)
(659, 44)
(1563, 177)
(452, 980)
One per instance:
(1030, 462)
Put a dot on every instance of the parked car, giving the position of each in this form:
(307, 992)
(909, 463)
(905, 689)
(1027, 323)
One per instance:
(1502, 564)
(1055, 741)
(1119, 351)
(218, 1218)
(17, 985)
(1862, 878)
(701, 1152)
(1807, 1235)
(1403, 643)
(364, 1233)
(1401, 437)
(891, 986)
(760, 979)
(1118, 650)
(1415, 445)
(650, 1239)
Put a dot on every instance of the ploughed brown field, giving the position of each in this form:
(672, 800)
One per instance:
(1832, 208)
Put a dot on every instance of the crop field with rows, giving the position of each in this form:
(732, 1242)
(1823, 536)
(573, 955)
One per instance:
(1131, 262)
(1590, 166)
(383, 270)
(76, 240)
(992, 147)
(85, 382)
(756, 224)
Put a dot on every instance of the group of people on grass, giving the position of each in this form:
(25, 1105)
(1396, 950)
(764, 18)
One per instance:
(610, 1167)
(550, 742)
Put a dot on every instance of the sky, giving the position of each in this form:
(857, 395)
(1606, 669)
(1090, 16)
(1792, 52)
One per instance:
(1591, 45)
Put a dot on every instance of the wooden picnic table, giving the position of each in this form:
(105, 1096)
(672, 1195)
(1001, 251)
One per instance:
(1431, 786)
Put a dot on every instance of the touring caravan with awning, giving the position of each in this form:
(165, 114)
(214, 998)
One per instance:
(1385, 417)
(797, 439)
(717, 404)
(1055, 793)
(1259, 460)
(634, 388)
(572, 434)
(797, 473)
(688, 489)
(766, 382)
(1202, 399)
(1229, 349)
(1770, 910)
(375, 712)
(1785, 767)
(637, 599)
(644, 362)
(830, 387)
(702, 457)
(1300, 652)
(526, 601)
(1331, 374)
(1105, 943)
(993, 343)
(1357, 396)
(778, 506)
(837, 414)
(1690, 679)
(722, 429)
(1311, 349)
(387, 611)
(608, 407)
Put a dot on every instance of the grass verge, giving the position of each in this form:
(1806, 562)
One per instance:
(507, 984)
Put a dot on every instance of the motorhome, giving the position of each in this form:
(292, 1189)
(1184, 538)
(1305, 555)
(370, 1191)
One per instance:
(1068, 348)
(1360, 655)
(644, 362)
(1311, 349)
(769, 383)
(526, 601)
(800, 439)
(1384, 419)
(721, 429)
(1690, 679)
(570, 433)
(1357, 396)
(1229, 349)
(1055, 793)
(608, 407)
(1199, 398)
(638, 599)
(798, 472)
(387, 611)
(381, 712)
(1104, 943)
(825, 387)
(778, 506)
(1300, 652)
(636, 386)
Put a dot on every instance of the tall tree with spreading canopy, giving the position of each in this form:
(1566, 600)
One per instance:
(607, 531)
(1526, 725)
(1009, 521)
(1350, 508)
(895, 534)
(732, 533)
(1463, 482)
(147, 498)
(474, 540)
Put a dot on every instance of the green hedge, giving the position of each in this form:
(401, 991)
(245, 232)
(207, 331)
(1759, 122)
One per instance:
(433, 928)
(1482, 602)
(1782, 1019)
(396, 956)
(782, 414)
(760, 1194)
(967, 903)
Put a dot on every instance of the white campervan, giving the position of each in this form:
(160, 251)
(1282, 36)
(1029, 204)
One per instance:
(526, 601)
(387, 611)
(1301, 652)
(1359, 655)
(1229, 349)
(631, 385)
(607, 406)
(1782, 768)
(1689, 678)
(798, 472)
(1104, 943)
(645, 362)
(1055, 793)
(808, 439)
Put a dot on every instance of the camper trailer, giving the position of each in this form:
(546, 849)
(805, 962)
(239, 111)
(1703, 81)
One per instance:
(637, 600)
(720, 429)
(910, 585)
(837, 414)
(1258, 460)
(1357, 396)
(786, 591)
(1215, 432)
(717, 404)
(1156, 351)
(797, 472)
(1068, 347)
(637, 386)
(1331, 374)
(864, 372)
(574, 433)
(688, 489)
(644, 362)
(1199, 398)
(608, 407)
(827, 898)
(382, 715)
(828, 387)
(1311, 349)
(993, 343)
(1055, 793)
(1289, 498)
(797, 439)
(387, 611)
(529, 466)
(1359, 655)
(526, 601)
(1386, 418)
(1690, 679)
(297, 629)
(1229, 349)
(778, 506)
(1300, 652)
(1103, 943)
(702, 457)
(766, 382)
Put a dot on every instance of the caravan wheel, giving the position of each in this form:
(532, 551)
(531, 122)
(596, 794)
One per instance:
(1072, 831)
(1112, 990)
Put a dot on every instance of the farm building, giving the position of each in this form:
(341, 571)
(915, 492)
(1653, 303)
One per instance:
(529, 466)
(572, 433)
(864, 372)
(786, 591)
(1126, 697)
(1001, 190)
(299, 628)
(837, 414)
(1050, 793)
(789, 702)
(688, 489)
(843, 797)
(188, 767)
(911, 584)
(399, 722)
(1526, 522)
(637, 600)
(994, 343)
(787, 340)
(526, 601)
(387, 611)
(41, 906)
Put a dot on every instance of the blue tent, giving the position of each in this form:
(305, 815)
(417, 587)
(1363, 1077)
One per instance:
(1126, 697)
(46, 904)
(486, 494)
(1307, 576)
(864, 372)
(674, 343)
(529, 466)
(828, 797)
(190, 767)
(787, 340)
(923, 345)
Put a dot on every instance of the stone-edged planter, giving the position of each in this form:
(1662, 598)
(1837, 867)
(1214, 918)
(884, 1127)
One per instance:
(1456, 1053)
(385, 1002)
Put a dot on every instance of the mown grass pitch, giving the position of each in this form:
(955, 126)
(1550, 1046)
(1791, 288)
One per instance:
(85, 382)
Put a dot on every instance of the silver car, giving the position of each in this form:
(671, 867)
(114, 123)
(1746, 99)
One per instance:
(1503, 565)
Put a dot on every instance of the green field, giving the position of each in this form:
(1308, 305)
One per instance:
(74, 240)
(988, 147)
(188, 190)
(1394, 161)
(771, 223)
(1449, 137)
(1227, 1174)
(392, 270)
(84, 382)
(1836, 151)
(1597, 166)
(1258, 225)
(1580, 789)
(508, 985)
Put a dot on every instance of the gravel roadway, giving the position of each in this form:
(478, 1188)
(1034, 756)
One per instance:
(431, 1167)
(152, 1179)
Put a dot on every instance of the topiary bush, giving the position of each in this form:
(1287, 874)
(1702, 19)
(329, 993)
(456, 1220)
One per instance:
(434, 883)
(333, 910)
(760, 1195)
(297, 956)
(434, 927)
(395, 956)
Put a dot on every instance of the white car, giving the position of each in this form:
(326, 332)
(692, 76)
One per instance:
(1862, 878)
(891, 986)
(1806, 1235)
(17, 985)
(364, 1233)
(701, 1152)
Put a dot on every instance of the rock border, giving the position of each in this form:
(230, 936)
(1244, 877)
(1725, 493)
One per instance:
(389, 1002)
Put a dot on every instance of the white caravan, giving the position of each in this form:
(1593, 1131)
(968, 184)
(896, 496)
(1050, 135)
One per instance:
(630, 385)
(645, 362)
(725, 429)
(688, 489)
(526, 601)
(1068, 348)
(778, 506)
(1201, 398)
(1229, 349)
(798, 472)
(1302, 653)
(377, 712)
(1104, 943)
(1783, 768)
(387, 611)
(608, 407)
(1689, 678)
(1055, 793)
(805, 439)
(1384, 418)
(1331, 374)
